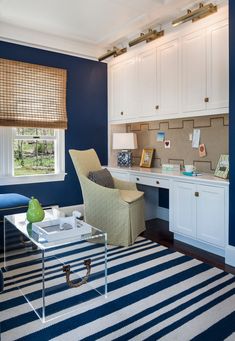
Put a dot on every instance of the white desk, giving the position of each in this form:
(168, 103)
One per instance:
(198, 206)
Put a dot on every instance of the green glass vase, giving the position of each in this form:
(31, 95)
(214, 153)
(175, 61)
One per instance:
(35, 212)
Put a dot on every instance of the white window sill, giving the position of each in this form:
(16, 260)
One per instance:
(20, 180)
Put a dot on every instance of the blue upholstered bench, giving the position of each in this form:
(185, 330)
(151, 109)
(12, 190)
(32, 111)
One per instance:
(12, 200)
(11, 203)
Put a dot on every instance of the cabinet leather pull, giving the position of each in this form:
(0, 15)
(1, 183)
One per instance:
(206, 99)
(157, 182)
(72, 284)
(137, 179)
(157, 107)
(121, 112)
(196, 194)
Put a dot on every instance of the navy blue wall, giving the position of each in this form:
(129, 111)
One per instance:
(87, 118)
(232, 121)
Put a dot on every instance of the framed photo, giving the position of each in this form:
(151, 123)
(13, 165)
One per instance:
(146, 158)
(222, 169)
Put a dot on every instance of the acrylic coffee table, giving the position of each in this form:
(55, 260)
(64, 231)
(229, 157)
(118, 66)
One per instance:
(56, 277)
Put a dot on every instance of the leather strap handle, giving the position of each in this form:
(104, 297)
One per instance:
(71, 284)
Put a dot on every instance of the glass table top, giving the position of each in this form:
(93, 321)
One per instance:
(20, 222)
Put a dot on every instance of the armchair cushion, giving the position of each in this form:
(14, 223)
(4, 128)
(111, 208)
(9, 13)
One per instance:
(102, 177)
(130, 196)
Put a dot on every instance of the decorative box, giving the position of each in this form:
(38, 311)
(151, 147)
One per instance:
(168, 167)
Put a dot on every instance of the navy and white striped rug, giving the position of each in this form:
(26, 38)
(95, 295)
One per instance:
(153, 293)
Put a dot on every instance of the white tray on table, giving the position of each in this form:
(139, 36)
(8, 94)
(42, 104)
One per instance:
(61, 228)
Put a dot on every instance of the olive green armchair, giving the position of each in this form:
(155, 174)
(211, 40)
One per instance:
(118, 211)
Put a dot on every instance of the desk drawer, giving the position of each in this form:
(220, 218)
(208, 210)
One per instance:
(154, 181)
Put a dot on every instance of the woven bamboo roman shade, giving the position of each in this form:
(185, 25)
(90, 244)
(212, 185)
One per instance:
(32, 95)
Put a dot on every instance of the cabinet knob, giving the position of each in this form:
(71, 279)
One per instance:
(158, 182)
(157, 107)
(206, 99)
(121, 112)
(196, 194)
(138, 179)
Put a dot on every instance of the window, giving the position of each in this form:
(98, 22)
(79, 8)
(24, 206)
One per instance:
(31, 155)
(33, 118)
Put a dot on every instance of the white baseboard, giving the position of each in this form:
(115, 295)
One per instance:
(230, 255)
(201, 245)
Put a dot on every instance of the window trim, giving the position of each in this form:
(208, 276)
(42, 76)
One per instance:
(7, 135)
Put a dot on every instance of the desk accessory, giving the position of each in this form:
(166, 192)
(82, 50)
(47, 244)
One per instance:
(202, 150)
(160, 136)
(170, 167)
(189, 168)
(222, 169)
(146, 158)
(35, 212)
(196, 138)
(167, 144)
(191, 173)
(125, 142)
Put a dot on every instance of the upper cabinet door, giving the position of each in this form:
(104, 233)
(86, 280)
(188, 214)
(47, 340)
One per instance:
(217, 66)
(124, 99)
(148, 82)
(131, 103)
(168, 84)
(116, 93)
(194, 71)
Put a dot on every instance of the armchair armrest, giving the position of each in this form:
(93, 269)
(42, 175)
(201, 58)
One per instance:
(126, 185)
(109, 195)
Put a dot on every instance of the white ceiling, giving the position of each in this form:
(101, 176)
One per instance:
(99, 23)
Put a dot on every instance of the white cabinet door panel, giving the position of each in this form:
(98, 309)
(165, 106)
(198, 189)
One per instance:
(148, 82)
(211, 215)
(168, 69)
(184, 208)
(124, 90)
(217, 66)
(194, 71)
(116, 92)
(131, 104)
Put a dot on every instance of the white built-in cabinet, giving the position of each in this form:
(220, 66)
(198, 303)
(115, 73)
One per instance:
(199, 212)
(198, 207)
(184, 74)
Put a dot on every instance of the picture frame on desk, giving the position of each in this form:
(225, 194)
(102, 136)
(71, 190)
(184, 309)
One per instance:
(222, 168)
(146, 157)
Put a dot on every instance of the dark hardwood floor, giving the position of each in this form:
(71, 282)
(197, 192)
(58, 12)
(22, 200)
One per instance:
(157, 230)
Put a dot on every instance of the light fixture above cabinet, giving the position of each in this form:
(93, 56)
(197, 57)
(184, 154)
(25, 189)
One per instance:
(114, 52)
(148, 37)
(197, 14)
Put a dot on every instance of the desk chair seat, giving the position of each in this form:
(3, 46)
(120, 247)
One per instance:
(130, 196)
(118, 211)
